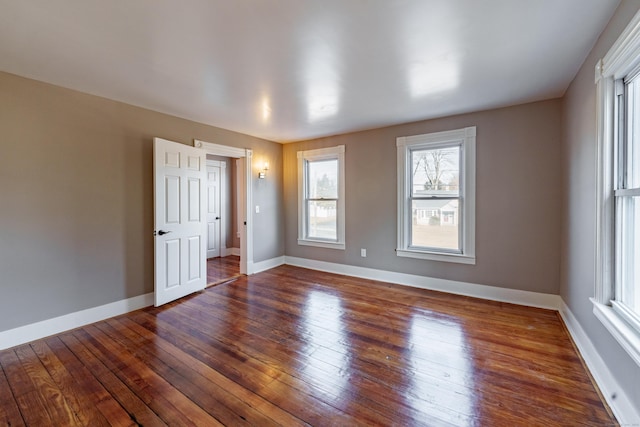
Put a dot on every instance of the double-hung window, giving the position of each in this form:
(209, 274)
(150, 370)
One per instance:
(627, 200)
(321, 213)
(617, 296)
(436, 196)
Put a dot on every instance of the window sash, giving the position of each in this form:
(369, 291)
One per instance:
(310, 227)
(459, 226)
(411, 197)
(435, 147)
(625, 201)
(309, 200)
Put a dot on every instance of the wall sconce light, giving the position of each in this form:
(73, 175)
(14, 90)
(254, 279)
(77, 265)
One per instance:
(263, 173)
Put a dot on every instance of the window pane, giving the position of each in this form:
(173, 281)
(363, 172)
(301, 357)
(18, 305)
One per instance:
(633, 134)
(629, 268)
(322, 217)
(323, 179)
(436, 172)
(435, 224)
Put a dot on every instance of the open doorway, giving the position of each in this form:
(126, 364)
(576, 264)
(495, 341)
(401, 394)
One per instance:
(233, 259)
(223, 220)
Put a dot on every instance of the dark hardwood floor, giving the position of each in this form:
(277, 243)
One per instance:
(297, 347)
(221, 269)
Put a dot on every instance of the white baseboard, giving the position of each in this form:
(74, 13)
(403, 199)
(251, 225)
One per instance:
(532, 299)
(268, 264)
(45, 328)
(618, 401)
(231, 251)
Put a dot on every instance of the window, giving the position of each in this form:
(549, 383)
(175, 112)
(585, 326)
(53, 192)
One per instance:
(321, 197)
(436, 196)
(617, 297)
(627, 200)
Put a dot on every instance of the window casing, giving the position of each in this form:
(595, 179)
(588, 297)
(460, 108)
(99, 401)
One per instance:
(617, 293)
(321, 212)
(436, 196)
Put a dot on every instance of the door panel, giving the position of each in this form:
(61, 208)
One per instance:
(172, 248)
(180, 226)
(195, 203)
(194, 245)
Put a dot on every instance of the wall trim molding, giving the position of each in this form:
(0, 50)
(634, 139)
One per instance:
(231, 251)
(268, 264)
(614, 395)
(493, 293)
(56, 325)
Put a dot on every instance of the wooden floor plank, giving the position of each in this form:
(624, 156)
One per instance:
(60, 411)
(177, 370)
(221, 269)
(244, 396)
(35, 411)
(295, 347)
(555, 366)
(9, 411)
(284, 391)
(332, 383)
(76, 379)
(168, 402)
(139, 412)
(435, 402)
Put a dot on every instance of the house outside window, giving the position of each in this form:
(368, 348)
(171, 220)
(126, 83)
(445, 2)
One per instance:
(436, 196)
(321, 212)
(617, 294)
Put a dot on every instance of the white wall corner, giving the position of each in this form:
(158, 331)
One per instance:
(618, 401)
(45, 328)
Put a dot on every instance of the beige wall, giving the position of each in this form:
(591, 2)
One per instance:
(578, 221)
(76, 210)
(518, 198)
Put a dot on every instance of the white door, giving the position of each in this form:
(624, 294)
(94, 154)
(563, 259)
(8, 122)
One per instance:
(213, 211)
(180, 220)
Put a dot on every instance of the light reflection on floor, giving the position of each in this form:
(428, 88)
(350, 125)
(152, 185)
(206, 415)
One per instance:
(439, 356)
(327, 348)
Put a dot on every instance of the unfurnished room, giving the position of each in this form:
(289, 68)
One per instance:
(320, 213)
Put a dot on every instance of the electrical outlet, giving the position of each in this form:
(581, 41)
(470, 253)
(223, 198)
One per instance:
(363, 253)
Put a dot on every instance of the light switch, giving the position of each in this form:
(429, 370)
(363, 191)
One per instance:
(257, 209)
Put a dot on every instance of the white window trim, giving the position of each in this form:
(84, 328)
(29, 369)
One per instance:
(621, 59)
(468, 167)
(315, 155)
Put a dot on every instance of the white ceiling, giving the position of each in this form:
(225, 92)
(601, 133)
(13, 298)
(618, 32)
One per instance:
(288, 70)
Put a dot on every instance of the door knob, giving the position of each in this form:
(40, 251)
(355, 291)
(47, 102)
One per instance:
(217, 217)
(162, 232)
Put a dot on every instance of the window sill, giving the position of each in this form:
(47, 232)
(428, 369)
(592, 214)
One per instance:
(433, 256)
(624, 333)
(321, 244)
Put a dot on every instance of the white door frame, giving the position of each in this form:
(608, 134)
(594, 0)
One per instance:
(246, 233)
